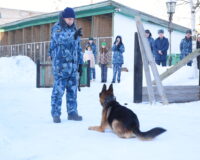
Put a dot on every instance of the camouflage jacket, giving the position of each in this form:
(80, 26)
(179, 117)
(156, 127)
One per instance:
(64, 48)
(186, 46)
(118, 54)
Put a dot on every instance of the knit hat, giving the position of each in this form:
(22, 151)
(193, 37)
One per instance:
(188, 31)
(68, 13)
(160, 31)
(103, 43)
(91, 38)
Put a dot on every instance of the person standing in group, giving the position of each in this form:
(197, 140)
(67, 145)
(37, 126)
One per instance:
(94, 51)
(198, 47)
(150, 40)
(103, 61)
(66, 55)
(89, 56)
(186, 45)
(161, 46)
(118, 59)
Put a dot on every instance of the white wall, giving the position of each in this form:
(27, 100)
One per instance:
(126, 27)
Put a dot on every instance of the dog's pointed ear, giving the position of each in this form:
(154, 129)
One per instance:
(104, 88)
(111, 88)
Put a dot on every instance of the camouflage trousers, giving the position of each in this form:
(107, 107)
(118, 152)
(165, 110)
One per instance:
(117, 72)
(60, 85)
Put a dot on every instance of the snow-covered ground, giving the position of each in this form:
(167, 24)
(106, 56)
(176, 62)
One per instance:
(27, 131)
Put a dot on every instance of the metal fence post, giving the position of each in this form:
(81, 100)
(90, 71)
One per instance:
(38, 73)
(18, 50)
(44, 45)
(34, 52)
(11, 50)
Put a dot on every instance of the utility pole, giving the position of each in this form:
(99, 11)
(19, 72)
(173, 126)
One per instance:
(171, 5)
(170, 40)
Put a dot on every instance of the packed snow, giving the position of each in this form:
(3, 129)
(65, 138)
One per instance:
(28, 133)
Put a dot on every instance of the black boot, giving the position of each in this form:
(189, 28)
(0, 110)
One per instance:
(56, 119)
(74, 116)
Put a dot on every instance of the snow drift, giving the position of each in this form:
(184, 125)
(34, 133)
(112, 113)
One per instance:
(28, 133)
(17, 69)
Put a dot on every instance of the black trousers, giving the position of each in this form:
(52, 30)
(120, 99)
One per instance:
(164, 63)
(198, 62)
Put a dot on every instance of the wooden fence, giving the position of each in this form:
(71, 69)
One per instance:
(39, 50)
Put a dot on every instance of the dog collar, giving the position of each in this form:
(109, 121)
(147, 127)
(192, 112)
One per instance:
(109, 99)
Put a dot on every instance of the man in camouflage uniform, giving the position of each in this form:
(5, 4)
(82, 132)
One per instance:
(66, 54)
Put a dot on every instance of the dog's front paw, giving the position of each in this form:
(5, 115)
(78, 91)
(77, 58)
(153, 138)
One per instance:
(96, 128)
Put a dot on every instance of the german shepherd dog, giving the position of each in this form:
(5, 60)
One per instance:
(120, 119)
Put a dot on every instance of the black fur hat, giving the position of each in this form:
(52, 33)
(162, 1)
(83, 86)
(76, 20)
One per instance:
(148, 31)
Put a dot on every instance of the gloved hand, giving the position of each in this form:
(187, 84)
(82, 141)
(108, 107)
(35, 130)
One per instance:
(78, 33)
(118, 47)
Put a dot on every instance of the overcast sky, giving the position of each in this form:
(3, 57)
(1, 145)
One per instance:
(154, 7)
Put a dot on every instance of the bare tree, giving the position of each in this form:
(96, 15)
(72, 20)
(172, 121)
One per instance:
(57, 4)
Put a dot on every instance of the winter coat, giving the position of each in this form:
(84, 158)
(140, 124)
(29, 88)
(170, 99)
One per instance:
(103, 58)
(198, 57)
(198, 45)
(89, 56)
(118, 54)
(186, 46)
(163, 45)
(65, 51)
(151, 43)
(94, 48)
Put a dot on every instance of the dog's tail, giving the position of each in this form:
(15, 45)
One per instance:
(148, 135)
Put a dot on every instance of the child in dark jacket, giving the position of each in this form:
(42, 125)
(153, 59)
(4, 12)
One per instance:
(103, 61)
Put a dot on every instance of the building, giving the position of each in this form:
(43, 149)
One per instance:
(10, 15)
(103, 21)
